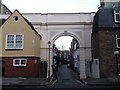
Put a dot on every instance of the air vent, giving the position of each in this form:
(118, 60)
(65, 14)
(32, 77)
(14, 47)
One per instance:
(15, 18)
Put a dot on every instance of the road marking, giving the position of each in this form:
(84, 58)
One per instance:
(53, 83)
(80, 82)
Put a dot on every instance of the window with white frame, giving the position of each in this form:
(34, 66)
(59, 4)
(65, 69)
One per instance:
(118, 41)
(117, 16)
(19, 62)
(14, 41)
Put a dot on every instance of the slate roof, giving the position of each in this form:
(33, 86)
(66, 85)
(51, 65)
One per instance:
(104, 18)
(4, 9)
(2, 21)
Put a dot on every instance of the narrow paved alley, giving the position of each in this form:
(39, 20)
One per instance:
(67, 79)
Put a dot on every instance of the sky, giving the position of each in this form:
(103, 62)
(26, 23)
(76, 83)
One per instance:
(64, 42)
(52, 6)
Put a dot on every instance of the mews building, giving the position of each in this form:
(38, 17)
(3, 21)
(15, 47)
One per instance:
(20, 47)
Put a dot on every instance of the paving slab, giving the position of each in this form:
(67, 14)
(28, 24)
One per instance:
(101, 81)
(20, 82)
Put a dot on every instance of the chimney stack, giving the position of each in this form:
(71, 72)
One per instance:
(110, 3)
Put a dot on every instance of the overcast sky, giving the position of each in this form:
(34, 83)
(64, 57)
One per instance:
(52, 6)
(64, 42)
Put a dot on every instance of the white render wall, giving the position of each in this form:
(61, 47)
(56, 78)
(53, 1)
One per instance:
(95, 68)
(54, 25)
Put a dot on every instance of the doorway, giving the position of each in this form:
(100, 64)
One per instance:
(2, 68)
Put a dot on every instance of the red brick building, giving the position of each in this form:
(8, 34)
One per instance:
(106, 40)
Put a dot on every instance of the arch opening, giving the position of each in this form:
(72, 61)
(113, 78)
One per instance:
(65, 33)
(68, 55)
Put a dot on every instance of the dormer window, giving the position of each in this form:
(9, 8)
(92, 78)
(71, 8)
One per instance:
(15, 18)
(117, 16)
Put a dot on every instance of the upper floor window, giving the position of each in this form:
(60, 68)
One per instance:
(118, 41)
(14, 41)
(117, 16)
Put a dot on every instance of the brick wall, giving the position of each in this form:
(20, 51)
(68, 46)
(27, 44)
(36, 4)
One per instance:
(32, 68)
(95, 46)
(104, 45)
(107, 46)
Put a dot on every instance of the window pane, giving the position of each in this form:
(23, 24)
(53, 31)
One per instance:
(17, 62)
(117, 16)
(18, 42)
(23, 61)
(118, 36)
(10, 41)
(118, 42)
(117, 11)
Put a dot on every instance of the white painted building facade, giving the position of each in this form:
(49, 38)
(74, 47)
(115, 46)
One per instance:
(51, 26)
(76, 56)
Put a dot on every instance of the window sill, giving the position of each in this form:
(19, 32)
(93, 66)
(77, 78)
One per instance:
(13, 49)
(20, 66)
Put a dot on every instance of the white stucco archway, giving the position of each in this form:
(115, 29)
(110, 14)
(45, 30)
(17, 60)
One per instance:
(82, 60)
(54, 25)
